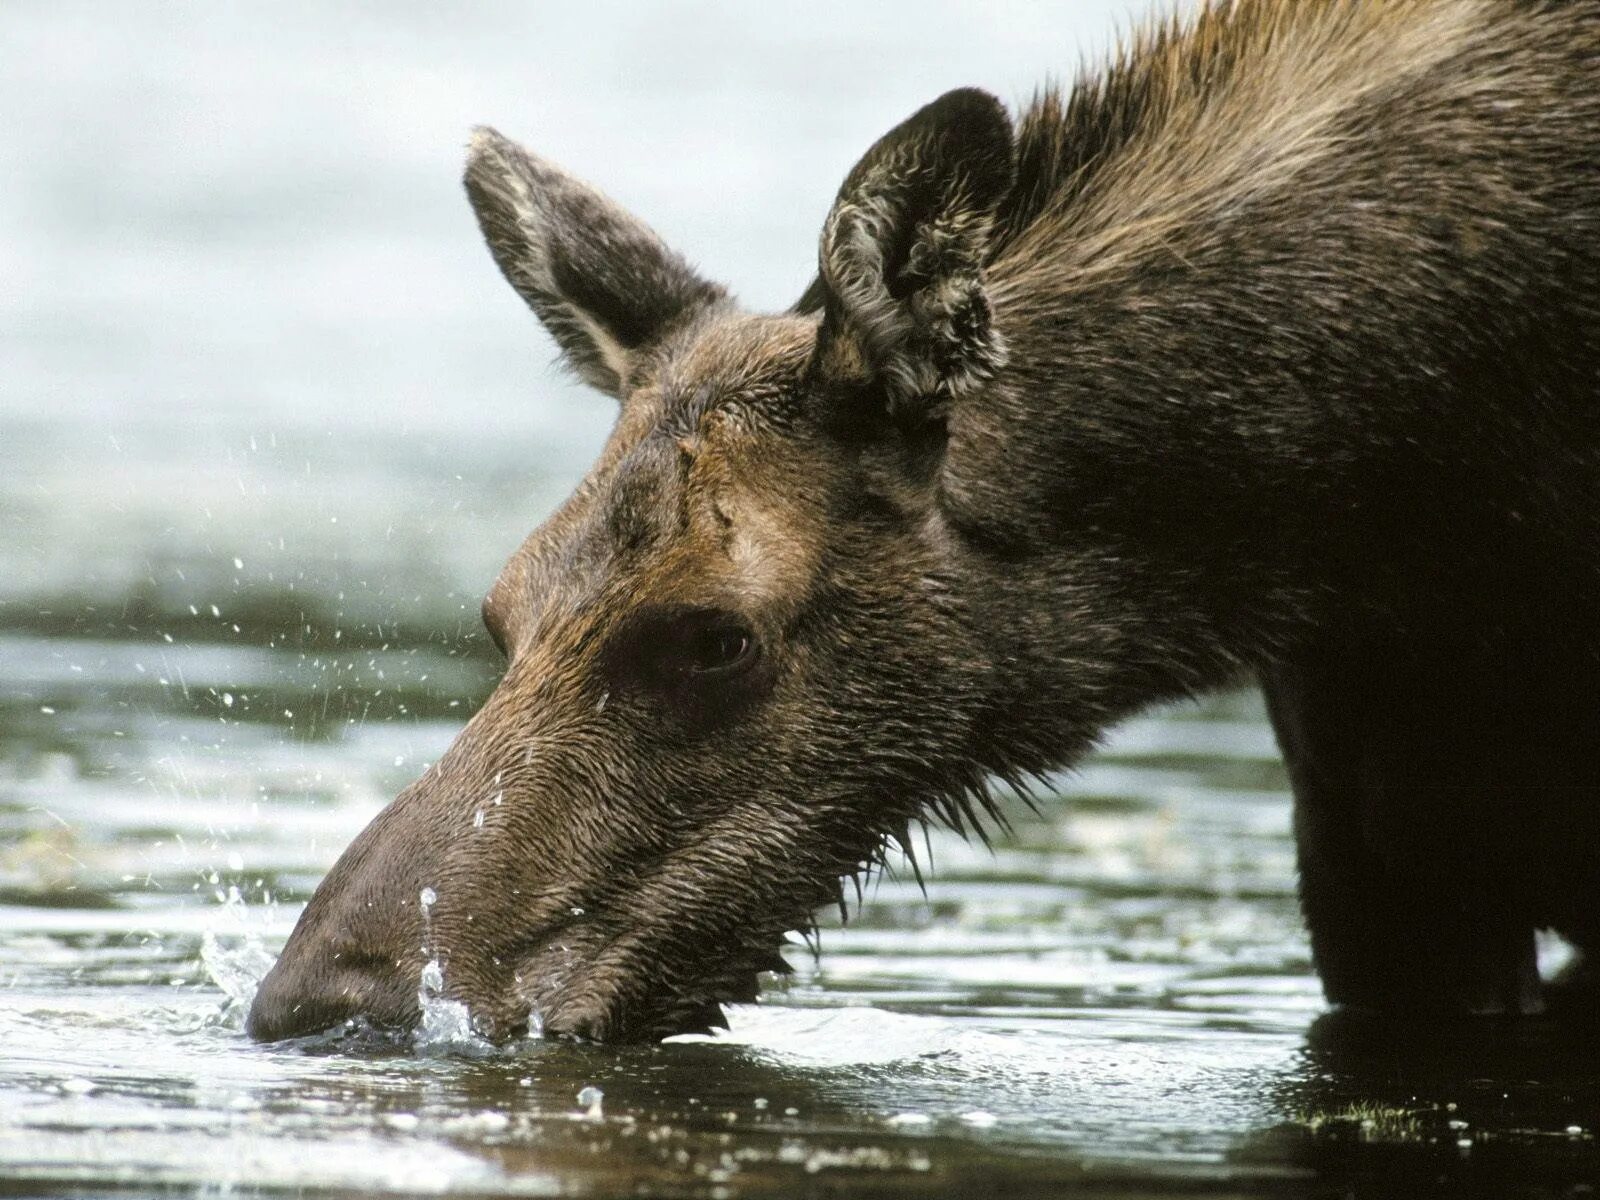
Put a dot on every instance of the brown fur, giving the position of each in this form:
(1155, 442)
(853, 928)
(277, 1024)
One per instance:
(1273, 349)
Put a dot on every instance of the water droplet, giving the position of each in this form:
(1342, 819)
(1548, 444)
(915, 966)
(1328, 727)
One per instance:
(590, 1098)
(446, 1024)
(477, 819)
(428, 898)
(432, 979)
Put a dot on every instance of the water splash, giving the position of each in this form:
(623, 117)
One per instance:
(239, 966)
(591, 1099)
(446, 1025)
(237, 970)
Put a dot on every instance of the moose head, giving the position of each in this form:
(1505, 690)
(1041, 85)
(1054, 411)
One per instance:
(742, 658)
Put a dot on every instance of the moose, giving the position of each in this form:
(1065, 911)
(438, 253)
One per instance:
(1270, 351)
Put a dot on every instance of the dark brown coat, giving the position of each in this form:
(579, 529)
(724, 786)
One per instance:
(1273, 350)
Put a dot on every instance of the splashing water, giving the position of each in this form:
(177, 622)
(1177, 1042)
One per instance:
(591, 1099)
(237, 970)
(446, 1024)
(239, 967)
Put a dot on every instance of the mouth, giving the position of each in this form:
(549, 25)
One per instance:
(623, 1024)
(638, 956)
(605, 1001)
(564, 989)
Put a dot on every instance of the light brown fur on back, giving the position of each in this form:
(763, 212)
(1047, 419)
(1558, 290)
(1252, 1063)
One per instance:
(1244, 103)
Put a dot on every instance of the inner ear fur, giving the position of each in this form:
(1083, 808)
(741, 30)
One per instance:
(902, 256)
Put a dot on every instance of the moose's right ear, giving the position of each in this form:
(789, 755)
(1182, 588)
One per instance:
(603, 283)
(900, 274)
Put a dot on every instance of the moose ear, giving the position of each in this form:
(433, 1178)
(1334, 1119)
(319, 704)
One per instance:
(903, 251)
(603, 283)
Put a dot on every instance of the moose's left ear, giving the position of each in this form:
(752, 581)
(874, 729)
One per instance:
(601, 281)
(901, 267)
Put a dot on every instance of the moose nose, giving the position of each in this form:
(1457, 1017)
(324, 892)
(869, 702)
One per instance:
(292, 1001)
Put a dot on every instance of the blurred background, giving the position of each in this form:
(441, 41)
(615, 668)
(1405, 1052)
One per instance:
(246, 312)
(270, 422)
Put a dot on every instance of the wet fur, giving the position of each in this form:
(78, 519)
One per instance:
(1271, 351)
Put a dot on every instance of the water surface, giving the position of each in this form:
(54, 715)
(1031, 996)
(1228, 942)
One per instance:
(1118, 994)
(269, 422)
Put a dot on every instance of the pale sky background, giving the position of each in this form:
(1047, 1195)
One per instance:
(248, 205)
(244, 308)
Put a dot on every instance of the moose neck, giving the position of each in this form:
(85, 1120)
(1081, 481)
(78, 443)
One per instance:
(1235, 387)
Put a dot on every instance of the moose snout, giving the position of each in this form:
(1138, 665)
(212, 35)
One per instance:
(310, 989)
(307, 993)
(285, 1006)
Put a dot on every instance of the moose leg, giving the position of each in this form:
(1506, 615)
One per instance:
(1412, 904)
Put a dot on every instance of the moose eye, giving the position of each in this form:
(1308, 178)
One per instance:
(717, 646)
(695, 656)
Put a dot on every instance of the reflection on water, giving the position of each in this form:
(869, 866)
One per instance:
(269, 423)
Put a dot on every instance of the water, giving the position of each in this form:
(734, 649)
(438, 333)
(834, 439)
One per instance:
(268, 425)
(1119, 993)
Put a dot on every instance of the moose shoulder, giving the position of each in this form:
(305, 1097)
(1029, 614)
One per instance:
(1273, 350)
